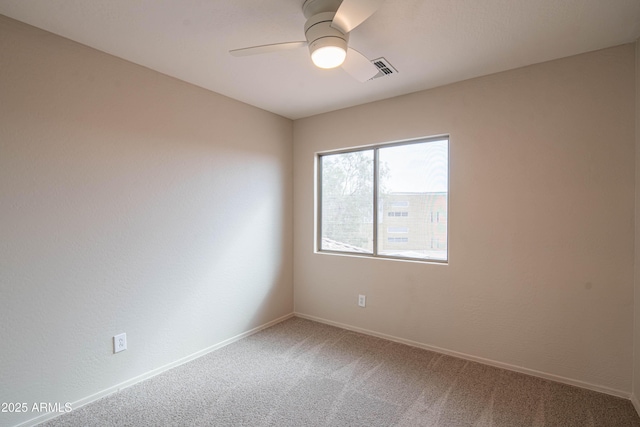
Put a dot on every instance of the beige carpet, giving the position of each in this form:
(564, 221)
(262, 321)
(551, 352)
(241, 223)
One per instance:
(303, 373)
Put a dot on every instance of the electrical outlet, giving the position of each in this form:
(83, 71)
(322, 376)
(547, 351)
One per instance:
(362, 300)
(119, 343)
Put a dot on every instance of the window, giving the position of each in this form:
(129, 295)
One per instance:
(397, 229)
(367, 196)
(397, 239)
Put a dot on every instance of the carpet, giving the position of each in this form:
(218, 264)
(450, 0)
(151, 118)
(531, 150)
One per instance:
(304, 373)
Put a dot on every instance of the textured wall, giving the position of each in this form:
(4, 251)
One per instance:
(129, 202)
(541, 221)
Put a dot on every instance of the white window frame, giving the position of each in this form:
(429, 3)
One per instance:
(376, 212)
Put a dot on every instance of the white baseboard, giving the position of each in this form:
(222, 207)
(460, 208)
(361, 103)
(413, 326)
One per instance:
(515, 368)
(636, 403)
(86, 400)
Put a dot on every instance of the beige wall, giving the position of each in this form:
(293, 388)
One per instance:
(541, 221)
(129, 202)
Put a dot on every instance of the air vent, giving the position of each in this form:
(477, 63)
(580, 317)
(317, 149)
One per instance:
(384, 67)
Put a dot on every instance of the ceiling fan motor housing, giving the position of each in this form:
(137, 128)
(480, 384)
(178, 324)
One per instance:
(320, 33)
(313, 7)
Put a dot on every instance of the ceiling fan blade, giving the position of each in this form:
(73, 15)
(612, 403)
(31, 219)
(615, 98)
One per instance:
(352, 13)
(358, 66)
(267, 48)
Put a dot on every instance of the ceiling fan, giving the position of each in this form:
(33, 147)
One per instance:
(327, 29)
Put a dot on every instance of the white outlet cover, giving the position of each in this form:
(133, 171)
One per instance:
(119, 343)
(362, 300)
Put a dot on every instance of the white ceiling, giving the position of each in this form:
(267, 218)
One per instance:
(430, 42)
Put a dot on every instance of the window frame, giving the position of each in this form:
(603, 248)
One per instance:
(376, 213)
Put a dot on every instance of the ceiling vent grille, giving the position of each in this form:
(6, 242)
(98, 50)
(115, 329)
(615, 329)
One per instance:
(384, 68)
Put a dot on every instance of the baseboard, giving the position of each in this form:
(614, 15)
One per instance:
(636, 403)
(86, 400)
(515, 368)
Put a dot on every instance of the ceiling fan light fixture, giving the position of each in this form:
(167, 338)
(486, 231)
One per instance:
(330, 55)
(327, 45)
(326, 31)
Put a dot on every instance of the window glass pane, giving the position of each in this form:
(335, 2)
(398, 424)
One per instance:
(347, 202)
(412, 197)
